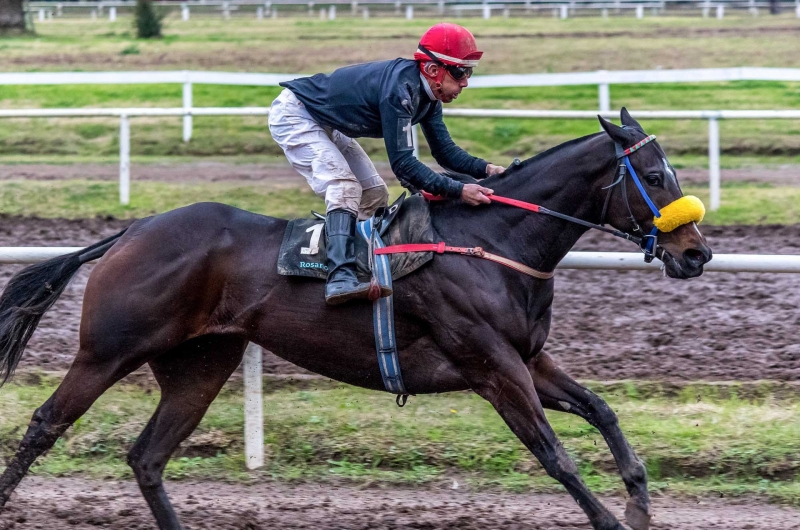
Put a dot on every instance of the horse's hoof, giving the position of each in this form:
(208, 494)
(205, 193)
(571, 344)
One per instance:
(637, 517)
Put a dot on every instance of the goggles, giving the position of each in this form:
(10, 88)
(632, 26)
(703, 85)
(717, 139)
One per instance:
(456, 72)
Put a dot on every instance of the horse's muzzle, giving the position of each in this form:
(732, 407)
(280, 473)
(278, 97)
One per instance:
(689, 264)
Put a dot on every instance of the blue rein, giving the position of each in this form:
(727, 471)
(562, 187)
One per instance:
(648, 240)
(651, 237)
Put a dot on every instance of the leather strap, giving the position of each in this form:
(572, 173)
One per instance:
(478, 252)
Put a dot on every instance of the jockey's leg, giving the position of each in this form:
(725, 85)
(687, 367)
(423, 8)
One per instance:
(311, 150)
(374, 191)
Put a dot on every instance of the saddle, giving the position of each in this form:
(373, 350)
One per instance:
(407, 220)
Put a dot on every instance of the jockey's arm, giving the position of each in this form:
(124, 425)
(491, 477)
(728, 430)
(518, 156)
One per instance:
(444, 150)
(396, 121)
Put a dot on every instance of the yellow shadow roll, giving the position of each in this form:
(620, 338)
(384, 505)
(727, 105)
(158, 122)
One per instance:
(687, 209)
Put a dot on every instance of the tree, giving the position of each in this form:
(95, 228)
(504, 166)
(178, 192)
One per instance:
(147, 20)
(12, 16)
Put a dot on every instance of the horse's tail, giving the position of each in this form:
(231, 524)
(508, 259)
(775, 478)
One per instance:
(30, 293)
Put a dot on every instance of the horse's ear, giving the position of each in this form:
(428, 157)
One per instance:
(627, 119)
(617, 133)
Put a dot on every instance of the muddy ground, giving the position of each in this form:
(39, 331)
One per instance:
(84, 505)
(606, 325)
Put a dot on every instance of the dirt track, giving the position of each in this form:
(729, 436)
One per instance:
(279, 173)
(607, 325)
(83, 505)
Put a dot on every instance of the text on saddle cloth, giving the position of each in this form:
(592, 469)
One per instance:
(303, 254)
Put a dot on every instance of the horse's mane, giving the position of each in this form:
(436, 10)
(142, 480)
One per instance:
(539, 158)
(516, 168)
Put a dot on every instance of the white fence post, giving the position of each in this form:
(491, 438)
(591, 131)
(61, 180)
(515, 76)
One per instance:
(226, 10)
(564, 11)
(41, 15)
(112, 14)
(440, 7)
(604, 13)
(604, 96)
(713, 163)
(409, 12)
(187, 107)
(260, 13)
(184, 12)
(253, 408)
(487, 11)
(274, 12)
(639, 12)
(59, 9)
(93, 14)
(415, 140)
(332, 12)
(124, 160)
(720, 12)
(365, 13)
(797, 10)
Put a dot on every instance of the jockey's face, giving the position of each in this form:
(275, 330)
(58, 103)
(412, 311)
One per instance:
(449, 89)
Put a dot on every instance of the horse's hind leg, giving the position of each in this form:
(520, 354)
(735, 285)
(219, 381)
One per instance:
(85, 381)
(558, 391)
(190, 377)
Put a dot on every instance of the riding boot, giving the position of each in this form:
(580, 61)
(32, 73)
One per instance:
(343, 285)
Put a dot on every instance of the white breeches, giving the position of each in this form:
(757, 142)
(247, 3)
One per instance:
(335, 166)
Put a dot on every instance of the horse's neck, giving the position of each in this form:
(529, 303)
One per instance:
(569, 184)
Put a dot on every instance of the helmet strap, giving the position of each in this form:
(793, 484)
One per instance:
(437, 79)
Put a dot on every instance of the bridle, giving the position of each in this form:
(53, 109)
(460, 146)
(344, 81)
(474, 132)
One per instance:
(648, 243)
(681, 211)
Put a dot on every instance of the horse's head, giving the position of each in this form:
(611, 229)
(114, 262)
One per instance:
(646, 200)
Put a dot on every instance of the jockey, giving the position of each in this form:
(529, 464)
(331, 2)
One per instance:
(314, 120)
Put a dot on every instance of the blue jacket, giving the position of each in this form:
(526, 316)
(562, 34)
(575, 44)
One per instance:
(383, 100)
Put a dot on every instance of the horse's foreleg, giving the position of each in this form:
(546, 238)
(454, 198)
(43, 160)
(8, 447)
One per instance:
(560, 392)
(82, 385)
(510, 389)
(190, 377)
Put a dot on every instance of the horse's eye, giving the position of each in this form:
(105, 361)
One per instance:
(653, 179)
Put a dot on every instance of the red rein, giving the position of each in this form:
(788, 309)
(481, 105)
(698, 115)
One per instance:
(477, 252)
(495, 198)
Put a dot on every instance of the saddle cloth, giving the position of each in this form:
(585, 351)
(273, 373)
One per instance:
(303, 248)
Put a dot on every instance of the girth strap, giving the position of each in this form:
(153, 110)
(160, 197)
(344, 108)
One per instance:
(477, 252)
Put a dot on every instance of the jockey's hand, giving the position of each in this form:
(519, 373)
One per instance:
(475, 194)
(492, 169)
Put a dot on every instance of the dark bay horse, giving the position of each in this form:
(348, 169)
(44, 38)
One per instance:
(186, 290)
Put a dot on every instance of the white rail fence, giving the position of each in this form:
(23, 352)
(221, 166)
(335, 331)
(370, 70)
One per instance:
(712, 116)
(252, 369)
(602, 78)
(327, 9)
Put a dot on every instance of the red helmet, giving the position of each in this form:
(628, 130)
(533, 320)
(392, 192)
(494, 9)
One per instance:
(451, 44)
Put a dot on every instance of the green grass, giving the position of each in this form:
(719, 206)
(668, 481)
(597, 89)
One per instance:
(742, 203)
(495, 139)
(699, 439)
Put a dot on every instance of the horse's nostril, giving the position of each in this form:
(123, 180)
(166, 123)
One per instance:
(695, 256)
